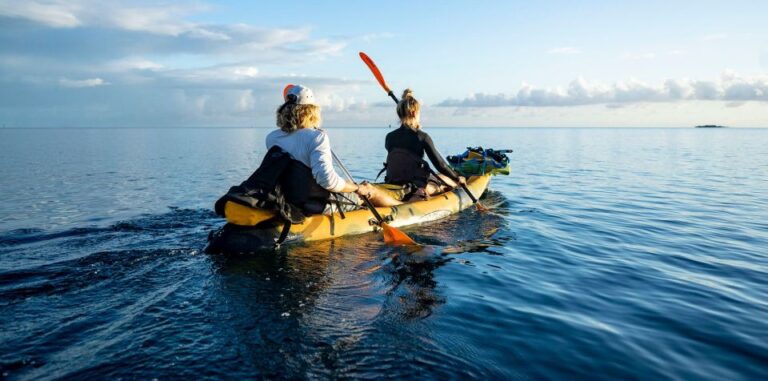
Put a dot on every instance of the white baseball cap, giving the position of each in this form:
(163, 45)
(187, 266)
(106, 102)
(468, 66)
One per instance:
(303, 95)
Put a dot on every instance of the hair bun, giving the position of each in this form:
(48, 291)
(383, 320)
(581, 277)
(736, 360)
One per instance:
(407, 93)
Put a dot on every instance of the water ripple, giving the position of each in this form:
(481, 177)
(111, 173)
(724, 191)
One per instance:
(609, 254)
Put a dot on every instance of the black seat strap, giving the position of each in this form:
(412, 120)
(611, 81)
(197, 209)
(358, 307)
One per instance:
(333, 223)
(380, 172)
(283, 234)
(338, 206)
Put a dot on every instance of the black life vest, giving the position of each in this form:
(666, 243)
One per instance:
(301, 189)
(404, 167)
(281, 184)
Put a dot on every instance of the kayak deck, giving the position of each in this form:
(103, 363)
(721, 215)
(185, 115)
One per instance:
(318, 227)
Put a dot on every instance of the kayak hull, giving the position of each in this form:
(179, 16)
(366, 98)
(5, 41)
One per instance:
(248, 233)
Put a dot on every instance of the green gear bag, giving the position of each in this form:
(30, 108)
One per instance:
(477, 161)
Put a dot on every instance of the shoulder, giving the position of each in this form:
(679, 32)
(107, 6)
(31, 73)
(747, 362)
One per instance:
(313, 136)
(422, 135)
(401, 131)
(314, 133)
(274, 135)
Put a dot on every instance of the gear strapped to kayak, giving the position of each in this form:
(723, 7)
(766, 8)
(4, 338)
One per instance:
(250, 228)
(477, 161)
(280, 189)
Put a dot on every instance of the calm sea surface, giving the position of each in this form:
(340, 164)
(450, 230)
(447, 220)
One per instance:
(610, 254)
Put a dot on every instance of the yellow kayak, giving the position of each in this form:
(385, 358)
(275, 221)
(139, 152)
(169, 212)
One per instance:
(249, 229)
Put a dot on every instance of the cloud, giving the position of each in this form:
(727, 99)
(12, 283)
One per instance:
(633, 56)
(146, 63)
(566, 50)
(54, 14)
(136, 16)
(99, 31)
(132, 63)
(730, 88)
(91, 82)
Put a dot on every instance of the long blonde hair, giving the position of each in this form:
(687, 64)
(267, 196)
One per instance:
(292, 116)
(408, 110)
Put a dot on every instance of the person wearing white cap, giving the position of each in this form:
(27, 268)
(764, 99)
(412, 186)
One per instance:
(299, 134)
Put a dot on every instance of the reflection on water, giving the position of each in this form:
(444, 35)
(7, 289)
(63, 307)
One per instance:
(317, 308)
(609, 254)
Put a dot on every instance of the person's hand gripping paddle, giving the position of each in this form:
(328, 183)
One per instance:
(380, 78)
(392, 235)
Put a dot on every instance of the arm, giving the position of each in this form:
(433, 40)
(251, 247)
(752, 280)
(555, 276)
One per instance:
(437, 160)
(321, 162)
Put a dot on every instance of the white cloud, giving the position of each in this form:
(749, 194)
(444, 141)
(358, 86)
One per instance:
(633, 56)
(164, 19)
(246, 101)
(91, 82)
(245, 71)
(170, 20)
(730, 88)
(326, 47)
(55, 14)
(161, 19)
(566, 50)
(213, 77)
(132, 63)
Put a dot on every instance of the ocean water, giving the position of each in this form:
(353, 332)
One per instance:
(609, 254)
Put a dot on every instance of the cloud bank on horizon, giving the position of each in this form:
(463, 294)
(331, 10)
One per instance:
(133, 63)
(731, 88)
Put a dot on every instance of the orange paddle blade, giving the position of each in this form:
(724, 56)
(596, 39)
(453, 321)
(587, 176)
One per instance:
(393, 236)
(480, 207)
(375, 70)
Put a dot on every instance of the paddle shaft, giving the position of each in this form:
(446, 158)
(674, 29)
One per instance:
(471, 196)
(392, 94)
(463, 186)
(365, 199)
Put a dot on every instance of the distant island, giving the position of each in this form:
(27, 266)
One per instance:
(710, 126)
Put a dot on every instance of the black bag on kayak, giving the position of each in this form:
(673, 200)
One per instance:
(262, 189)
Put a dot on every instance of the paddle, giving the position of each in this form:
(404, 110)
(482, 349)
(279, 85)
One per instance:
(392, 235)
(380, 78)
(377, 73)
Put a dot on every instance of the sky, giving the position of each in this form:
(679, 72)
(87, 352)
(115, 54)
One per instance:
(82, 63)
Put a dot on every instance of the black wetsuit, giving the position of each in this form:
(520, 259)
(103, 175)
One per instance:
(402, 169)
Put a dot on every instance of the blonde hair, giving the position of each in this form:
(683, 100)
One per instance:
(292, 116)
(408, 110)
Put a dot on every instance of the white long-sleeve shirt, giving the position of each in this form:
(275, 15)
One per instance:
(311, 147)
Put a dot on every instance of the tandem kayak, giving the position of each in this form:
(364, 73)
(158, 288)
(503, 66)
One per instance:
(248, 231)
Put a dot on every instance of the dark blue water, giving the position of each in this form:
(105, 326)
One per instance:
(610, 254)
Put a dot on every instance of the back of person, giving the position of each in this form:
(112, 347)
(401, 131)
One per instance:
(406, 147)
(310, 180)
(296, 177)
(405, 152)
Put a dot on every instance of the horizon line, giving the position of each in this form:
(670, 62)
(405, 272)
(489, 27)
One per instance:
(359, 127)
